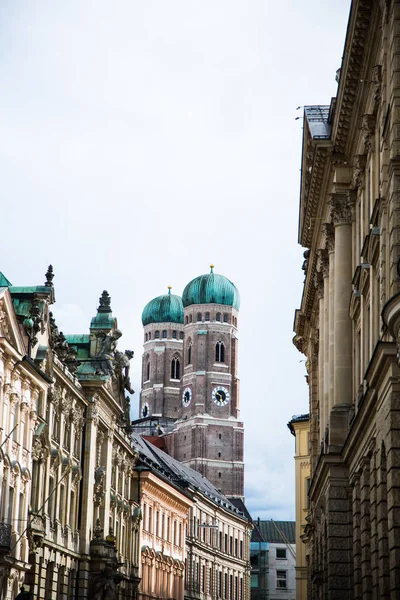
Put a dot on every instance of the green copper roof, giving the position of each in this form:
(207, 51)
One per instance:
(4, 281)
(211, 288)
(163, 309)
(104, 318)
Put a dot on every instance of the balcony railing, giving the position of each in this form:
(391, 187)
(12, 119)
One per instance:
(5, 537)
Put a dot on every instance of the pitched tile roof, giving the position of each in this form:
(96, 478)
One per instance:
(276, 532)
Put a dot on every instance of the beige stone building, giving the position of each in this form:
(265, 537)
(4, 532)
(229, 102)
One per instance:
(69, 504)
(348, 321)
(299, 426)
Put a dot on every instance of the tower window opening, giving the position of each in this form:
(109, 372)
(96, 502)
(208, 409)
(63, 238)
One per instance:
(219, 475)
(186, 320)
(148, 372)
(219, 454)
(181, 335)
(145, 337)
(219, 352)
(190, 318)
(174, 334)
(157, 334)
(207, 316)
(199, 317)
(164, 333)
(226, 318)
(219, 436)
(189, 355)
(175, 368)
(149, 335)
(218, 317)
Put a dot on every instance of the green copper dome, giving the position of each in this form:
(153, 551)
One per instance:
(163, 309)
(211, 289)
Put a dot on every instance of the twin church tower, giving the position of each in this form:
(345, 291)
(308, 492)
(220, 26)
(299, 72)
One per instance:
(190, 381)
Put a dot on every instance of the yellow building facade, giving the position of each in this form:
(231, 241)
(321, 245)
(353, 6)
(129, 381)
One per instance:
(299, 426)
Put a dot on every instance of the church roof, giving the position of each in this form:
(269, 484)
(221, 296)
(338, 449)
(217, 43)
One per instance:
(163, 309)
(211, 288)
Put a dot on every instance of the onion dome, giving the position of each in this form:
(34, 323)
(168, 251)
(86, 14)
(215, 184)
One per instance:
(211, 289)
(163, 309)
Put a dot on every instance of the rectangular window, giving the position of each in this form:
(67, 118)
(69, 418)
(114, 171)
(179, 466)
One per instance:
(241, 549)
(230, 545)
(180, 535)
(236, 547)
(168, 528)
(150, 518)
(281, 579)
(175, 532)
(254, 580)
(144, 515)
(281, 553)
(157, 521)
(163, 526)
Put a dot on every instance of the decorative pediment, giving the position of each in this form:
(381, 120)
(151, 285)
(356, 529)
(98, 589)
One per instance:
(9, 327)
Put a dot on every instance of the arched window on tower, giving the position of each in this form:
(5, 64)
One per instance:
(157, 334)
(189, 352)
(190, 318)
(186, 320)
(149, 335)
(199, 316)
(181, 335)
(175, 368)
(226, 318)
(207, 317)
(219, 352)
(174, 334)
(145, 337)
(218, 317)
(164, 333)
(148, 371)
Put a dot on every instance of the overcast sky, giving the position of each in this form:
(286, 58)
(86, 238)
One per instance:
(142, 140)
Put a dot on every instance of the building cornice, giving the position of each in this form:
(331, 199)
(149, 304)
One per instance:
(351, 72)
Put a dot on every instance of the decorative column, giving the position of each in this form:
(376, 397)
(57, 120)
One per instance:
(319, 288)
(89, 463)
(342, 213)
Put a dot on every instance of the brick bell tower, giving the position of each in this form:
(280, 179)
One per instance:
(162, 361)
(208, 433)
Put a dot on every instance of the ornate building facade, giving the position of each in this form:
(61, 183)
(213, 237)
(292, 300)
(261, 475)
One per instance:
(190, 378)
(69, 504)
(348, 322)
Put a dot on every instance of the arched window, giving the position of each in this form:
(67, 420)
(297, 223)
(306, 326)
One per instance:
(174, 334)
(164, 333)
(189, 352)
(207, 316)
(219, 352)
(157, 334)
(145, 338)
(226, 318)
(199, 316)
(190, 318)
(148, 372)
(149, 335)
(175, 368)
(181, 335)
(186, 320)
(218, 317)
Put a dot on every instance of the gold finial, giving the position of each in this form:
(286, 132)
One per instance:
(169, 289)
(211, 267)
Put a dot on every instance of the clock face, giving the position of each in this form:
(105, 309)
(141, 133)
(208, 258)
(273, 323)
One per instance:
(145, 410)
(187, 396)
(220, 396)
